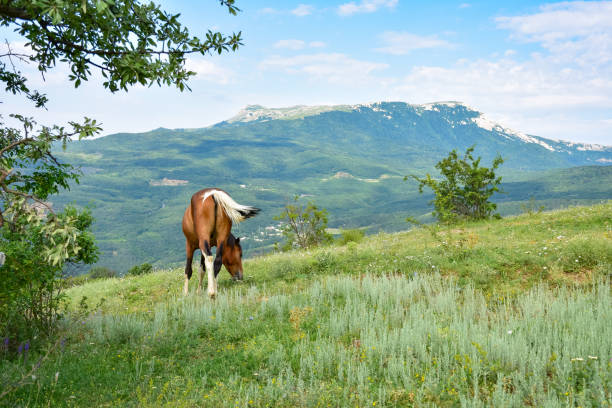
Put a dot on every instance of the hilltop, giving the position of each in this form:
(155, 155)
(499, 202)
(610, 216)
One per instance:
(349, 159)
(499, 313)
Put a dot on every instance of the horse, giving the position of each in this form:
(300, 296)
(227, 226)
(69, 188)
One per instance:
(207, 223)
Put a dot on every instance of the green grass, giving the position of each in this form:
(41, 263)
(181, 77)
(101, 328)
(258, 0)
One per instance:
(510, 313)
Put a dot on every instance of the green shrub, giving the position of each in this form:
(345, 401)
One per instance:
(140, 269)
(464, 189)
(585, 254)
(303, 227)
(351, 235)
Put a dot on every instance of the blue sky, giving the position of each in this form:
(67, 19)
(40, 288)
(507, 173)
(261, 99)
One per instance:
(541, 68)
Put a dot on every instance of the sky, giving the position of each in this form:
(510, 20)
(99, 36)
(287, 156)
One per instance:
(543, 68)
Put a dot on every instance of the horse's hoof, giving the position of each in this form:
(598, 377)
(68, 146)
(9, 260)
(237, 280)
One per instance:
(212, 295)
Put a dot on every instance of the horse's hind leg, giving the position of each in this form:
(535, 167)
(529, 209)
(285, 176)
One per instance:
(209, 266)
(188, 271)
(201, 274)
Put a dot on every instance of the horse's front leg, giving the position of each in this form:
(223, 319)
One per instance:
(218, 260)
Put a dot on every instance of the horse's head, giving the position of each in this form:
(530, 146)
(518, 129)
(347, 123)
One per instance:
(232, 257)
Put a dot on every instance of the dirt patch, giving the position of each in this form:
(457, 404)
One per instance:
(168, 182)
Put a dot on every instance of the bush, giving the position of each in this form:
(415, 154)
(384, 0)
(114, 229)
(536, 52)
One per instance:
(303, 227)
(465, 189)
(351, 235)
(31, 284)
(140, 269)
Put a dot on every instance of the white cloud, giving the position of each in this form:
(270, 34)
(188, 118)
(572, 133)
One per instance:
(302, 10)
(208, 70)
(290, 44)
(333, 68)
(530, 93)
(465, 5)
(366, 6)
(573, 32)
(401, 43)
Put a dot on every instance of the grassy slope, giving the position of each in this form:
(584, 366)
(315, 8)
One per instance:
(365, 324)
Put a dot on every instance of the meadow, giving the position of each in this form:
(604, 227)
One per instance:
(513, 312)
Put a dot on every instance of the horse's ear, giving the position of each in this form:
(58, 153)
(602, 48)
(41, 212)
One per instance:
(231, 241)
(238, 240)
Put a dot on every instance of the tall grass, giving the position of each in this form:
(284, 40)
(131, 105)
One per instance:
(370, 341)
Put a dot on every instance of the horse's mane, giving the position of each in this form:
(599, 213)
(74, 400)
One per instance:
(236, 212)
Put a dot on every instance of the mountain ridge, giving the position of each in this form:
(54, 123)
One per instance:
(260, 113)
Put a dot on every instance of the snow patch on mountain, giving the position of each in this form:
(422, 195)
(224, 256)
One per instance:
(482, 122)
(253, 113)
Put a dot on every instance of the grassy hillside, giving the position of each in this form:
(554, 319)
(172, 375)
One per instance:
(512, 312)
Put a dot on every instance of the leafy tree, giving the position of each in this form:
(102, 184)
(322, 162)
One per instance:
(465, 187)
(303, 226)
(128, 42)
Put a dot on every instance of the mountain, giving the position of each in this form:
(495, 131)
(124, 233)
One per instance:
(350, 159)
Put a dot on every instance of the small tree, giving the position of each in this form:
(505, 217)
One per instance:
(31, 289)
(303, 227)
(465, 189)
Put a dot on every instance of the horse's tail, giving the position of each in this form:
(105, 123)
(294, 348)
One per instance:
(236, 212)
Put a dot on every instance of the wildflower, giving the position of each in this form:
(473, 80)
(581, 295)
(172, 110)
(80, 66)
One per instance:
(56, 375)
(509, 331)
(20, 349)
(250, 317)
(577, 359)
(27, 346)
(593, 357)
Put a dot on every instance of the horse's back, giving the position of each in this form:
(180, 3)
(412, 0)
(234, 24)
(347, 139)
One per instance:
(199, 220)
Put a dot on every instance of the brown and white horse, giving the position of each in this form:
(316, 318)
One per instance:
(207, 223)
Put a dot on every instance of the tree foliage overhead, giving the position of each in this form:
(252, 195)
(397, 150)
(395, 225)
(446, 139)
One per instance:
(465, 187)
(128, 42)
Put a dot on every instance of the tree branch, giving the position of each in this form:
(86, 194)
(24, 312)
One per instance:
(15, 12)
